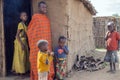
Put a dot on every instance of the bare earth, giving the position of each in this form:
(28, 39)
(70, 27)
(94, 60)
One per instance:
(78, 75)
(97, 75)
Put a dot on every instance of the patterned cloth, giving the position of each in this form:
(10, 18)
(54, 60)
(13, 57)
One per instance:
(39, 28)
(61, 69)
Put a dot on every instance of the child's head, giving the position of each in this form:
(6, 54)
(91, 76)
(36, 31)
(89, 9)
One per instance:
(111, 26)
(23, 16)
(42, 45)
(62, 41)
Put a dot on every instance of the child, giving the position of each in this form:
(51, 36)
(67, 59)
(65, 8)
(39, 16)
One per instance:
(21, 54)
(61, 53)
(112, 38)
(44, 58)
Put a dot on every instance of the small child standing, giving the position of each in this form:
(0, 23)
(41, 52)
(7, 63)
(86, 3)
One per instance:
(61, 53)
(112, 39)
(44, 59)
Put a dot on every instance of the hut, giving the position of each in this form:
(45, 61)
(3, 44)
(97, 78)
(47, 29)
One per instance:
(71, 18)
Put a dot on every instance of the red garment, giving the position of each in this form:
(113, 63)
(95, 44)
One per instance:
(112, 40)
(39, 28)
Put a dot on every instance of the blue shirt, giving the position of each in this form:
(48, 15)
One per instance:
(60, 53)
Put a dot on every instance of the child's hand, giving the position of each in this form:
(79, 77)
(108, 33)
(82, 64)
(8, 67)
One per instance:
(109, 34)
(23, 47)
(48, 52)
(64, 48)
(52, 53)
(47, 62)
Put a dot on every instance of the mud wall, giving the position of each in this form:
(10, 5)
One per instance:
(80, 24)
(2, 53)
(56, 14)
(73, 20)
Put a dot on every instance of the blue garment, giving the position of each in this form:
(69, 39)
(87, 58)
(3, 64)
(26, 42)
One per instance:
(60, 55)
(111, 56)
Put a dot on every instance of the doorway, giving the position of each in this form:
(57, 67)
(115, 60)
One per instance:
(11, 10)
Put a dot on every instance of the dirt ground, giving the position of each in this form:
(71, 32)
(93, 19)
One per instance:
(83, 75)
(97, 75)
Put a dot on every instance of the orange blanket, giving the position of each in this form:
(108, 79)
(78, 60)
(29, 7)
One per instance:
(39, 28)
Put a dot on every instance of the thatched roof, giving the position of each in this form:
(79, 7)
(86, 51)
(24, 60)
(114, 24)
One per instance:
(89, 6)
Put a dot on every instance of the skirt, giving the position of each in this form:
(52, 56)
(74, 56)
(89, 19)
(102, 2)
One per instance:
(61, 69)
(20, 58)
(111, 56)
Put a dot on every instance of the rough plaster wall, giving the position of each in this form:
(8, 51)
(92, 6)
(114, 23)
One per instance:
(71, 19)
(0, 40)
(34, 6)
(80, 30)
(56, 14)
(2, 57)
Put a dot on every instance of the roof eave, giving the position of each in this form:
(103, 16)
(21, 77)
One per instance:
(89, 6)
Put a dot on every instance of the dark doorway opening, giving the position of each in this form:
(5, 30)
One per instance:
(12, 9)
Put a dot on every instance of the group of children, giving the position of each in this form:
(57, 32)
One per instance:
(44, 56)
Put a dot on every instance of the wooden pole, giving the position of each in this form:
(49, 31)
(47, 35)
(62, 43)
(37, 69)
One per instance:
(3, 41)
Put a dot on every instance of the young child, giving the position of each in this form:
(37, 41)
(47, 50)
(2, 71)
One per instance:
(61, 53)
(112, 38)
(21, 53)
(44, 59)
